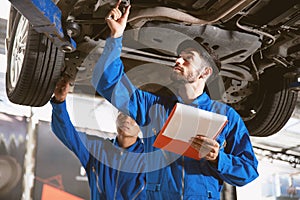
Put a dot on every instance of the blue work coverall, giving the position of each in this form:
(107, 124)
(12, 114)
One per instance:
(110, 169)
(171, 176)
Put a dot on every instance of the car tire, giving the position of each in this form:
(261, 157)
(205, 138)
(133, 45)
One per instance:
(33, 65)
(275, 104)
(11, 172)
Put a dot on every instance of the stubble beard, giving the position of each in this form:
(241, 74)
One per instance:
(181, 79)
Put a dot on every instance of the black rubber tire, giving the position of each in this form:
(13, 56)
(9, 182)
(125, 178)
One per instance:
(277, 104)
(40, 71)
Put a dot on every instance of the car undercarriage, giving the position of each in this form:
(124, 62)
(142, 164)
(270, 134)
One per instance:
(257, 42)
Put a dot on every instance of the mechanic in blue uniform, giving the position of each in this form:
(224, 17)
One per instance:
(113, 166)
(231, 158)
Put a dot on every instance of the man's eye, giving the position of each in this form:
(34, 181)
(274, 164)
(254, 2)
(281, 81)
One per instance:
(188, 59)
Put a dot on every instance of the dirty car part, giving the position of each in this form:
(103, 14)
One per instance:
(257, 42)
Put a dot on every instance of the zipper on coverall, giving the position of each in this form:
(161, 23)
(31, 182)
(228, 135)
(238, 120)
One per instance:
(97, 180)
(182, 180)
(118, 174)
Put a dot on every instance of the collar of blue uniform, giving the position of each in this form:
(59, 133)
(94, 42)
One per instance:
(202, 100)
(132, 148)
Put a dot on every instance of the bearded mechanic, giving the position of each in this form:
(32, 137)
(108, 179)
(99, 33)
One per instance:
(168, 176)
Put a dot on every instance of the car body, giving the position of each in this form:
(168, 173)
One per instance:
(257, 43)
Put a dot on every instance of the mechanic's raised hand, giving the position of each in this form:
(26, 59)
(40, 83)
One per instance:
(117, 21)
(62, 88)
(211, 145)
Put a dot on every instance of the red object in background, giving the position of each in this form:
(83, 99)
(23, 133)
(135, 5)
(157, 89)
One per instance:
(51, 193)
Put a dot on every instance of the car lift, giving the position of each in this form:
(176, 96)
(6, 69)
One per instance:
(45, 17)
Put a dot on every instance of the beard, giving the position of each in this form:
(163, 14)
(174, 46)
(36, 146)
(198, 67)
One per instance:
(180, 78)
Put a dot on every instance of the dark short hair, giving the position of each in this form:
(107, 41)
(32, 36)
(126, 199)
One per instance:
(204, 51)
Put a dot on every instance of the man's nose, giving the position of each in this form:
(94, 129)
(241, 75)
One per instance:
(179, 60)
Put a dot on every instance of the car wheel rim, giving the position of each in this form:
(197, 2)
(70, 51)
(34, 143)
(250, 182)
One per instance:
(18, 50)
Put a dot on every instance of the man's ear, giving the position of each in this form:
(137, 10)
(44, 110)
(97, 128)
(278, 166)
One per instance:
(206, 73)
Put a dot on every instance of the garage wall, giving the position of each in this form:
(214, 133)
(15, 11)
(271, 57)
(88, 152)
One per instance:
(4, 12)
(3, 23)
(57, 167)
(12, 152)
(273, 183)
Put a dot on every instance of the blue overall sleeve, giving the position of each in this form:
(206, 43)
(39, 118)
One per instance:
(67, 134)
(237, 163)
(111, 82)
